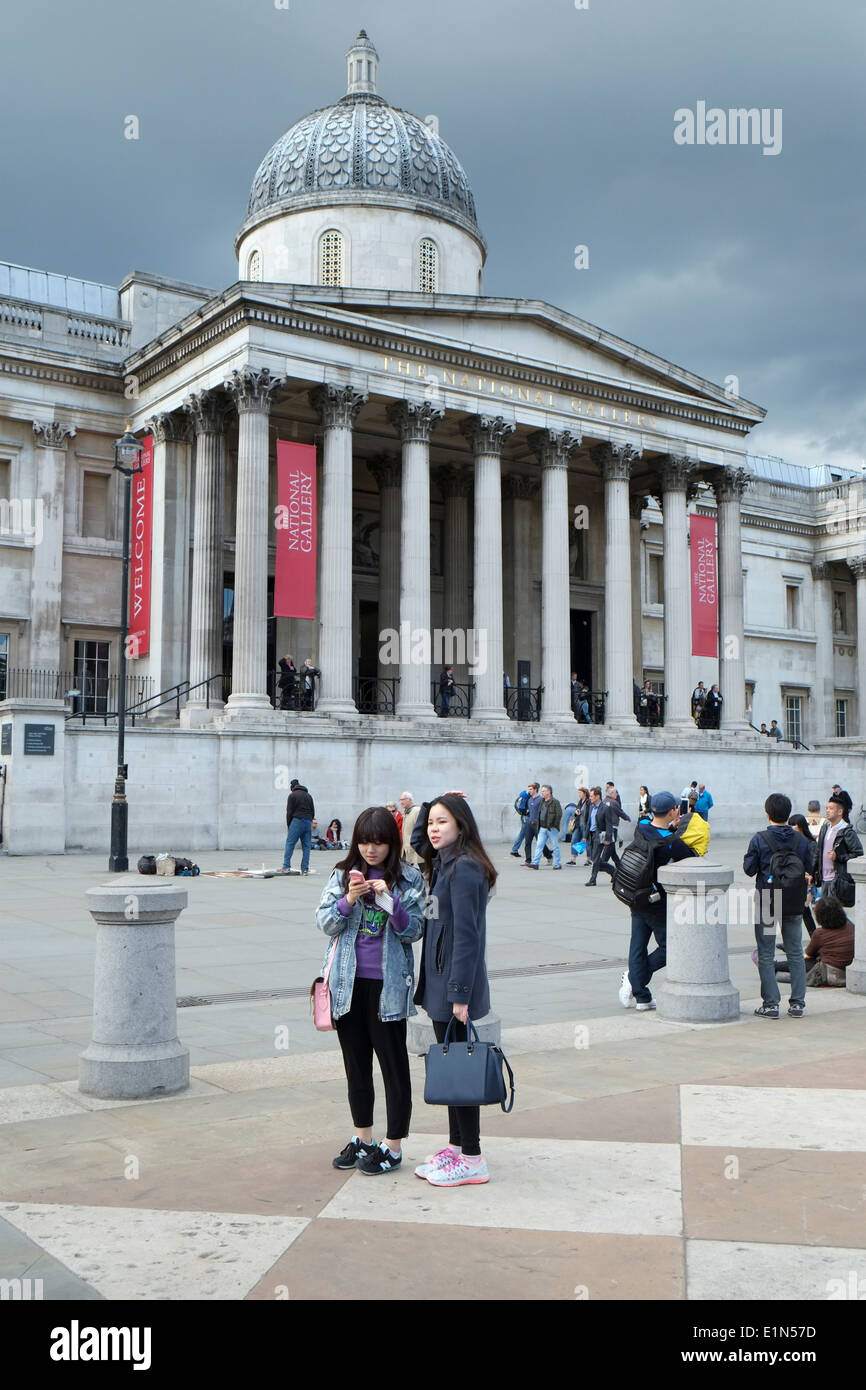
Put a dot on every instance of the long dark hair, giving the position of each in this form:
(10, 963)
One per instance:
(799, 822)
(468, 840)
(375, 826)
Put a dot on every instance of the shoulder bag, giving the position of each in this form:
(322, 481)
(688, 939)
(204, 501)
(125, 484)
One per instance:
(320, 996)
(467, 1073)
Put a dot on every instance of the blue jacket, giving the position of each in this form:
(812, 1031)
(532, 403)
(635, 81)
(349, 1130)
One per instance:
(703, 804)
(453, 964)
(398, 966)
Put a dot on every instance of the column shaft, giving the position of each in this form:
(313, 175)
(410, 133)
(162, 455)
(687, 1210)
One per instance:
(729, 488)
(486, 435)
(386, 472)
(859, 568)
(677, 596)
(47, 554)
(825, 684)
(616, 461)
(168, 659)
(415, 421)
(207, 411)
(636, 506)
(553, 449)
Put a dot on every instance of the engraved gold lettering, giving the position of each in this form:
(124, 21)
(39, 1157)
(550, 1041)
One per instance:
(523, 393)
(448, 378)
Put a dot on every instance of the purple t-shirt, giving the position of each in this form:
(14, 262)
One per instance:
(374, 919)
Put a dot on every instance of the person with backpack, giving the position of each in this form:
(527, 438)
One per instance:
(778, 859)
(521, 804)
(636, 884)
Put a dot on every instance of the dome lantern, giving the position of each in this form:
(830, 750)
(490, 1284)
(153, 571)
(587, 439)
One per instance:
(363, 61)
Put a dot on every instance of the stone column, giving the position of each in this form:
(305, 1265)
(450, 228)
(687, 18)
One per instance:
(855, 975)
(858, 566)
(207, 411)
(522, 489)
(251, 392)
(337, 408)
(386, 471)
(486, 434)
(168, 659)
(729, 484)
(46, 566)
(636, 507)
(456, 486)
(415, 421)
(825, 681)
(615, 462)
(697, 986)
(553, 449)
(675, 475)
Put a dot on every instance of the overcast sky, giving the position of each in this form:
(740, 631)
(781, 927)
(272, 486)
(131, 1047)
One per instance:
(720, 258)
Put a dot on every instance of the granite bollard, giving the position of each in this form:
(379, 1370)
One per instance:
(855, 975)
(697, 987)
(134, 1050)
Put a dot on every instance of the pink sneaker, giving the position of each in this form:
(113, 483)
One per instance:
(435, 1161)
(459, 1173)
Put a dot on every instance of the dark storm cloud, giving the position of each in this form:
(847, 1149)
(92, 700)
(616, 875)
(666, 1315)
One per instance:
(725, 260)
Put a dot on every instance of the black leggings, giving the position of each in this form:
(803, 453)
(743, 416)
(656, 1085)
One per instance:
(361, 1033)
(464, 1121)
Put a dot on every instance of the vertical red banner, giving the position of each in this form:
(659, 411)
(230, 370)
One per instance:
(705, 588)
(141, 532)
(295, 570)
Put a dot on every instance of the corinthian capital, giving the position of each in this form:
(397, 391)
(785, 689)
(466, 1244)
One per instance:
(207, 411)
(51, 435)
(820, 569)
(675, 472)
(386, 469)
(453, 481)
(173, 428)
(520, 487)
(636, 505)
(414, 420)
(615, 461)
(857, 564)
(337, 406)
(251, 389)
(729, 484)
(486, 433)
(553, 448)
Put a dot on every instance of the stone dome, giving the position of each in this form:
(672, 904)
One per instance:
(362, 150)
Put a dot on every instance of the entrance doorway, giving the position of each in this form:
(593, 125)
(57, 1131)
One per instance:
(581, 644)
(368, 639)
(228, 636)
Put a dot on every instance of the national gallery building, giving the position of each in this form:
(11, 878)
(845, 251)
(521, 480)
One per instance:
(499, 486)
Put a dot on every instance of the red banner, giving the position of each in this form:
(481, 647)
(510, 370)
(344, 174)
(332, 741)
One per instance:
(705, 588)
(295, 570)
(140, 554)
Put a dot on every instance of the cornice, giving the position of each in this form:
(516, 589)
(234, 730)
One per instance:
(98, 378)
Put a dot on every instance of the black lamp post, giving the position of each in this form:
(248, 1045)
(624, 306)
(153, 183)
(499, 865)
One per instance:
(127, 460)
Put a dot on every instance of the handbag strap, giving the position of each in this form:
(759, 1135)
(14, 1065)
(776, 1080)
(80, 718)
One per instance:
(510, 1106)
(330, 961)
(452, 1023)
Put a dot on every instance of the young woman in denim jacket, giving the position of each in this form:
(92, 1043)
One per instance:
(453, 979)
(371, 979)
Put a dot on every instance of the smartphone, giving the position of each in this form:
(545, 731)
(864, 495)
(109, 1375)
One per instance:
(356, 876)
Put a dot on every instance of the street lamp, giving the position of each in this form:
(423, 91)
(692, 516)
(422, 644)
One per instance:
(127, 460)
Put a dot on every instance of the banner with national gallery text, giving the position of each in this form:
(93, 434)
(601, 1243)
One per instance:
(295, 569)
(705, 588)
(141, 533)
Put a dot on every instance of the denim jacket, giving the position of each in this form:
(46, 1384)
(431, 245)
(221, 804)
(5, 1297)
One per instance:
(398, 966)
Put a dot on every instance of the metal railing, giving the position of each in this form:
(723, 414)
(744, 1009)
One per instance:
(597, 703)
(460, 702)
(650, 709)
(96, 694)
(523, 703)
(376, 695)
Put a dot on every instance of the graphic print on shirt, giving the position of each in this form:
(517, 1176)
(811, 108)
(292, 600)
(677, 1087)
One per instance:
(373, 921)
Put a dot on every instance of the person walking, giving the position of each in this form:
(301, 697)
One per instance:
(288, 683)
(644, 812)
(533, 809)
(398, 815)
(521, 802)
(410, 819)
(580, 829)
(373, 906)
(446, 691)
(549, 821)
(453, 980)
(649, 910)
(837, 843)
(300, 813)
(617, 814)
(604, 838)
(704, 802)
(778, 859)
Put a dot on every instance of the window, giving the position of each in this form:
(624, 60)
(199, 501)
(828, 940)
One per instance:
(331, 258)
(656, 585)
(792, 605)
(94, 508)
(4, 665)
(750, 700)
(428, 278)
(5, 479)
(841, 718)
(840, 609)
(91, 675)
(254, 266)
(794, 717)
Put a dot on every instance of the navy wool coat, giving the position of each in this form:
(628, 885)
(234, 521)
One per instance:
(453, 963)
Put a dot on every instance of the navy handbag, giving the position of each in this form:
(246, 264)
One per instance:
(467, 1073)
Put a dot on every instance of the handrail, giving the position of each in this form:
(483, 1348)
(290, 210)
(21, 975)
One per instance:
(172, 694)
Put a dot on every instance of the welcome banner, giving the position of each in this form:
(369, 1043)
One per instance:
(295, 570)
(705, 588)
(141, 528)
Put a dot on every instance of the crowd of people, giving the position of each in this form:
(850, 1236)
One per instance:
(297, 688)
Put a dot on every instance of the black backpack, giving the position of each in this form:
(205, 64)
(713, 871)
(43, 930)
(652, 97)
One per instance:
(786, 880)
(634, 880)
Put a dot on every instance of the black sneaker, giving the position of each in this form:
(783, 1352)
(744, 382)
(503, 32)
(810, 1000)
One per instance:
(379, 1160)
(768, 1011)
(355, 1150)
(796, 1010)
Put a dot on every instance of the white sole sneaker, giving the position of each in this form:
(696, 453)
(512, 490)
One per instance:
(644, 1008)
(626, 998)
(459, 1175)
(434, 1161)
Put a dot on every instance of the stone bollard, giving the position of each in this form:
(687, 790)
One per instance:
(134, 1050)
(420, 1036)
(698, 986)
(855, 975)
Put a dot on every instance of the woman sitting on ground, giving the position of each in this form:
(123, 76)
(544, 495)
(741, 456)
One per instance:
(334, 835)
(831, 948)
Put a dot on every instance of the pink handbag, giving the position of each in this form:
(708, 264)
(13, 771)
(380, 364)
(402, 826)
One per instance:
(320, 997)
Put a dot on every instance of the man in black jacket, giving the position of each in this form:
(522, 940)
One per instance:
(288, 683)
(299, 821)
(779, 840)
(837, 843)
(605, 835)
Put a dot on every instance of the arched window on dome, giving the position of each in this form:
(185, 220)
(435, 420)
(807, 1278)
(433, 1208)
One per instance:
(428, 267)
(331, 258)
(254, 266)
